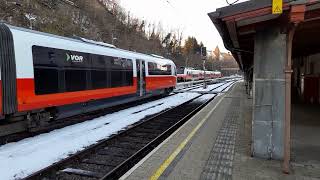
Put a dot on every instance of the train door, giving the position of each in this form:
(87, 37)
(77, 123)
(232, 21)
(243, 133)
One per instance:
(141, 77)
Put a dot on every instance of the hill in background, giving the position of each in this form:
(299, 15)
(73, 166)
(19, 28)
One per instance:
(105, 20)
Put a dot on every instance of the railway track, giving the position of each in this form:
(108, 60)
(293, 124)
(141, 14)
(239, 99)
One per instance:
(195, 86)
(111, 158)
(75, 119)
(83, 117)
(199, 84)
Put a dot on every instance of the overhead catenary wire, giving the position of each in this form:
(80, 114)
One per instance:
(232, 2)
(176, 11)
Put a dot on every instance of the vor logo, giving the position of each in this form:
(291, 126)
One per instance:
(74, 58)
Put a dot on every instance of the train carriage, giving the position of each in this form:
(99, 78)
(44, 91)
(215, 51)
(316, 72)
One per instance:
(45, 76)
(190, 74)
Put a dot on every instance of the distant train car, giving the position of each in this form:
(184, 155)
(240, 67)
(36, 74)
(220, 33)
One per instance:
(46, 77)
(184, 74)
(190, 74)
(217, 74)
(213, 74)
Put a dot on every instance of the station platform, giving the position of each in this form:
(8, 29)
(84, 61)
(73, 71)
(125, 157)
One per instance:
(214, 144)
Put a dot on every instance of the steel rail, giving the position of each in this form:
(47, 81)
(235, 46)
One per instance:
(133, 159)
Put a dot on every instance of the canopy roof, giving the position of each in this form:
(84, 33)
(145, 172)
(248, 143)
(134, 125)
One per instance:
(237, 25)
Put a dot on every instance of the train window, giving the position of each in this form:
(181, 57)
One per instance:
(46, 80)
(76, 80)
(181, 70)
(158, 69)
(99, 75)
(99, 79)
(44, 56)
(128, 73)
(117, 78)
(98, 62)
(78, 71)
(129, 78)
(121, 72)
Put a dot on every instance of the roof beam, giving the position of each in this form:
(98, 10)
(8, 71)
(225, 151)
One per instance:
(231, 25)
(232, 29)
(297, 13)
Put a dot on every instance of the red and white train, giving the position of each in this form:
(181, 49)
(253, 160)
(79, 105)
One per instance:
(190, 74)
(46, 77)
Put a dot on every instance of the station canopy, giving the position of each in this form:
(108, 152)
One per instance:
(237, 25)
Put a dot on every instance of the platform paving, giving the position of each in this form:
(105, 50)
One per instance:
(247, 168)
(220, 149)
(191, 161)
(220, 162)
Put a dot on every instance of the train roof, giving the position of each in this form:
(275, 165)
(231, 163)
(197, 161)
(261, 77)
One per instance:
(88, 42)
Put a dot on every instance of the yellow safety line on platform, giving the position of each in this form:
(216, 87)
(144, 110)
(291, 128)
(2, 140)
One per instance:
(169, 160)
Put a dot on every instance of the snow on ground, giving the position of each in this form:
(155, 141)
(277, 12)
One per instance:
(189, 88)
(22, 158)
(215, 87)
(206, 97)
(209, 87)
(227, 86)
(27, 156)
(230, 85)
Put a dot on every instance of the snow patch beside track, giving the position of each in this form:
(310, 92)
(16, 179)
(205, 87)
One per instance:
(22, 158)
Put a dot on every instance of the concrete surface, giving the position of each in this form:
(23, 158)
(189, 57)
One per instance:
(269, 94)
(305, 131)
(221, 148)
(305, 148)
(192, 160)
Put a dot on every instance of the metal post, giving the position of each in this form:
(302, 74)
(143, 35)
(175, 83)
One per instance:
(204, 68)
(287, 124)
(204, 74)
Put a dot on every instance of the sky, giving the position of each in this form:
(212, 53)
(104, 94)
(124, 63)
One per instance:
(189, 16)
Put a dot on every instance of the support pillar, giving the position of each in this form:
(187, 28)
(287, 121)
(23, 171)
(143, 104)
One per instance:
(270, 56)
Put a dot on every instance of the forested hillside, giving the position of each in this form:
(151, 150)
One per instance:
(104, 20)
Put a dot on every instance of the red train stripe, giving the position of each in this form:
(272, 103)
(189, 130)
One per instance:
(160, 82)
(28, 100)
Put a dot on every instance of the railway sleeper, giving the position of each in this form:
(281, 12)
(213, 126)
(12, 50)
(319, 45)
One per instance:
(64, 176)
(160, 122)
(128, 145)
(110, 160)
(107, 165)
(82, 172)
(105, 160)
(145, 129)
(171, 118)
(118, 150)
(135, 140)
(133, 144)
(145, 135)
(115, 153)
(90, 167)
(155, 127)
